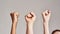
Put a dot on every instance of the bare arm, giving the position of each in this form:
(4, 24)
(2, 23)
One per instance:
(14, 17)
(46, 28)
(46, 17)
(30, 18)
(29, 29)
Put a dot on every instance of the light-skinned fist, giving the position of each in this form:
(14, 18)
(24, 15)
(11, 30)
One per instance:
(30, 18)
(46, 15)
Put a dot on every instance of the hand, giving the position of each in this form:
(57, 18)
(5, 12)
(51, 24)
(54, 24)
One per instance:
(46, 15)
(30, 17)
(14, 16)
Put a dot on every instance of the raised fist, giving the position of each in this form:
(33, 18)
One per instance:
(46, 15)
(14, 16)
(30, 17)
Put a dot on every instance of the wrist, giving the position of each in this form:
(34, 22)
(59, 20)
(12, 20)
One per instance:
(29, 23)
(14, 23)
(29, 26)
(14, 26)
(45, 23)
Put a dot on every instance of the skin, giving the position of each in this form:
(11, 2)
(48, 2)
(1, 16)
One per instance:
(57, 32)
(14, 17)
(46, 16)
(30, 18)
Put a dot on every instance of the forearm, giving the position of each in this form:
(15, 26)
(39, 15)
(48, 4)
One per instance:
(13, 29)
(46, 27)
(14, 17)
(29, 29)
(46, 17)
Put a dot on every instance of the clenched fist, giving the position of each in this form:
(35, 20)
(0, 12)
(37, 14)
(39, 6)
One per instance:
(30, 17)
(46, 15)
(14, 16)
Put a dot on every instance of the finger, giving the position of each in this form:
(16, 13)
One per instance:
(26, 17)
(47, 11)
(43, 14)
(16, 14)
(32, 14)
(46, 14)
(11, 14)
(29, 15)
